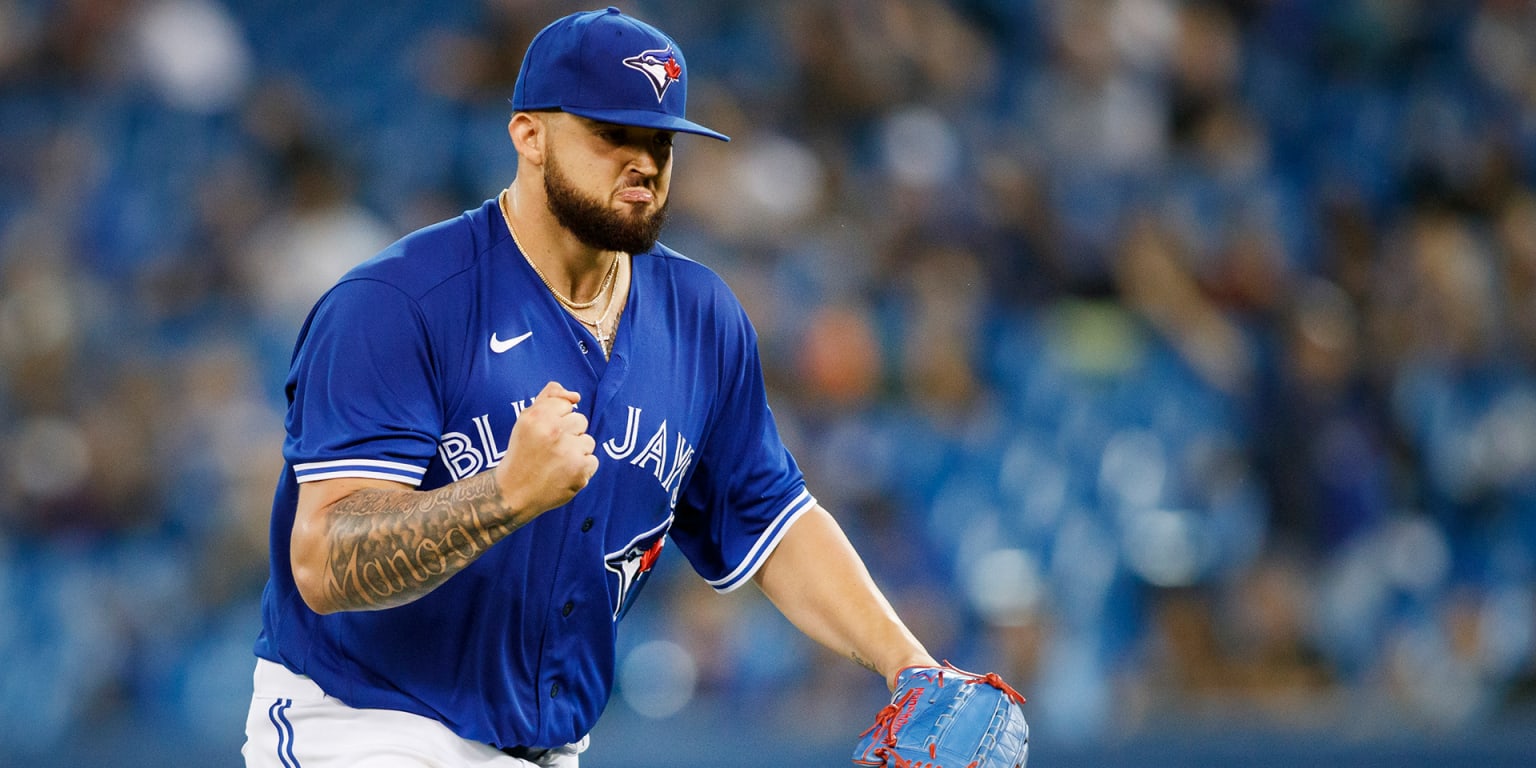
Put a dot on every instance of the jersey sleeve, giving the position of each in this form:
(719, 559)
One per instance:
(362, 394)
(746, 490)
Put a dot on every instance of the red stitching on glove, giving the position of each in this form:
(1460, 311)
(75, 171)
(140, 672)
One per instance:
(992, 679)
(897, 761)
(882, 718)
(893, 717)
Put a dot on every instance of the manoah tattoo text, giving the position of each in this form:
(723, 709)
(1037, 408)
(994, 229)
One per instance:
(384, 553)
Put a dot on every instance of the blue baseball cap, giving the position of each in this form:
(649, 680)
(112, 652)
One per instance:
(603, 65)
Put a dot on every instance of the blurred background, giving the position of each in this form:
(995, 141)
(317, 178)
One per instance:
(1175, 359)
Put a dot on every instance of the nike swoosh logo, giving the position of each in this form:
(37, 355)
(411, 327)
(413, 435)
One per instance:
(498, 346)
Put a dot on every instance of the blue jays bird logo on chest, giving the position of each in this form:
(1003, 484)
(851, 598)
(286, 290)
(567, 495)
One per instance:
(632, 565)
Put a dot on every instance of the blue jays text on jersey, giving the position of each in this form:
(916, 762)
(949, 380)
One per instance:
(467, 455)
(414, 367)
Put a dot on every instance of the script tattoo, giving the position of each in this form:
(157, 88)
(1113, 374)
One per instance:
(383, 553)
(863, 662)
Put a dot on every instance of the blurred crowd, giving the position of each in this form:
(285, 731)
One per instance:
(1175, 359)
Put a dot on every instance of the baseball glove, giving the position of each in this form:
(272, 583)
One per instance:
(943, 717)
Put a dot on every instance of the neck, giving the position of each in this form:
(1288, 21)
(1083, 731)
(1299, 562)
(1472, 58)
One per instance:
(569, 267)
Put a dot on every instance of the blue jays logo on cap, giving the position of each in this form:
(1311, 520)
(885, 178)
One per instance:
(658, 66)
(585, 64)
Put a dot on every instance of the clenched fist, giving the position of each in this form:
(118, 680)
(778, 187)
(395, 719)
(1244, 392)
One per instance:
(550, 457)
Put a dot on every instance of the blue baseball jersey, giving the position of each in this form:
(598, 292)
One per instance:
(414, 368)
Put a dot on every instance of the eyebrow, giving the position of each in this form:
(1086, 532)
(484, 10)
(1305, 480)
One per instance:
(595, 125)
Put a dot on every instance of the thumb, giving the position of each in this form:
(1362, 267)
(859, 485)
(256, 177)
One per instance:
(553, 390)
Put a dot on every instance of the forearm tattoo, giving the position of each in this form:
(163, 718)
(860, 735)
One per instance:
(387, 548)
(863, 662)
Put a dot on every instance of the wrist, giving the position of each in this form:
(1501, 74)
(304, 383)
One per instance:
(907, 662)
(509, 498)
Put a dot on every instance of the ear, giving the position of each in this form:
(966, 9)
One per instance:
(529, 134)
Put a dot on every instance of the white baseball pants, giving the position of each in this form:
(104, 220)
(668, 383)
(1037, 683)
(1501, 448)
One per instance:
(294, 724)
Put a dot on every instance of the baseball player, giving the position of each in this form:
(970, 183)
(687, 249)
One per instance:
(495, 426)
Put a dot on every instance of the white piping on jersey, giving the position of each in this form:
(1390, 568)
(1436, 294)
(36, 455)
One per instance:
(370, 468)
(402, 466)
(310, 478)
(765, 544)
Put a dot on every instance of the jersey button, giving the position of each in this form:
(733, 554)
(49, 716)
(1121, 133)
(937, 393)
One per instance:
(583, 346)
(566, 609)
(554, 690)
(586, 525)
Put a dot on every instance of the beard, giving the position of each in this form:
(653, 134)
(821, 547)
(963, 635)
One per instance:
(594, 224)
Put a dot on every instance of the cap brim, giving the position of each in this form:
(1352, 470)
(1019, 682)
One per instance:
(644, 118)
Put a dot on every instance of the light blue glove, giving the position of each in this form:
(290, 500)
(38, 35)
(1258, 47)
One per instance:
(943, 717)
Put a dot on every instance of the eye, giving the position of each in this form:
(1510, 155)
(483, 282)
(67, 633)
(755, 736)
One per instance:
(664, 139)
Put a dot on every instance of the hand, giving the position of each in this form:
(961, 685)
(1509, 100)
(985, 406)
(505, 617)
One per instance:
(550, 457)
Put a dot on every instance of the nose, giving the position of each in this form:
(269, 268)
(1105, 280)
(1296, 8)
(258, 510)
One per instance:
(645, 162)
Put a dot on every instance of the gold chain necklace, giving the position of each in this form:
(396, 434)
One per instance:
(613, 270)
(604, 338)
